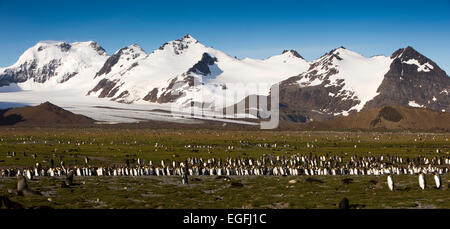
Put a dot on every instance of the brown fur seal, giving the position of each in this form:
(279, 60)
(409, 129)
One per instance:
(22, 187)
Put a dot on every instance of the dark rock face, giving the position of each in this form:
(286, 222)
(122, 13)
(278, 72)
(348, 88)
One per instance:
(301, 102)
(28, 70)
(167, 96)
(65, 47)
(406, 82)
(121, 96)
(112, 61)
(202, 67)
(98, 48)
(312, 102)
(47, 71)
(178, 47)
(108, 88)
(18, 75)
(152, 96)
(292, 115)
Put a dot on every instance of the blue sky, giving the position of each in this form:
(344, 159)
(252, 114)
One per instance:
(241, 28)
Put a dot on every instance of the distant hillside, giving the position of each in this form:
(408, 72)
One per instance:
(387, 118)
(43, 114)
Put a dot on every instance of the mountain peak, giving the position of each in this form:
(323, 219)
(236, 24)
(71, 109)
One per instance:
(334, 53)
(134, 48)
(180, 45)
(188, 38)
(409, 56)
(48, 106)
(338, 49)
(293, 52)
(407, 52)
(65, 46)
(100, 50)
(410, 48)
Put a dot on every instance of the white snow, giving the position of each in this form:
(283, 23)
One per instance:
(343, 113)
(81, 58)
(317, 111)
(361, 75)
(159, 68)
(420, 67)
(414, 104)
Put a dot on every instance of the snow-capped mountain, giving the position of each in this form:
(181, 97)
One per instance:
(50, 65)
(342, 82)
(176, 63)
(186, 72)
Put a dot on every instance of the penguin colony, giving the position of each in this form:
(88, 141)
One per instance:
(266, 165)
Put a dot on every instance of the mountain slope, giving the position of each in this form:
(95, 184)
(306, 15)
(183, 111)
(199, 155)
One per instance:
(43, 114)
(388, 118)
(413, 80)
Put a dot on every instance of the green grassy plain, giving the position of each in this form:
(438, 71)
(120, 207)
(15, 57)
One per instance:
(366, 192)
(115, 146)
(111, 146)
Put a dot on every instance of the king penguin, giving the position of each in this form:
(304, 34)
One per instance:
(390, 182)
(422, 181)
(437, 180)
